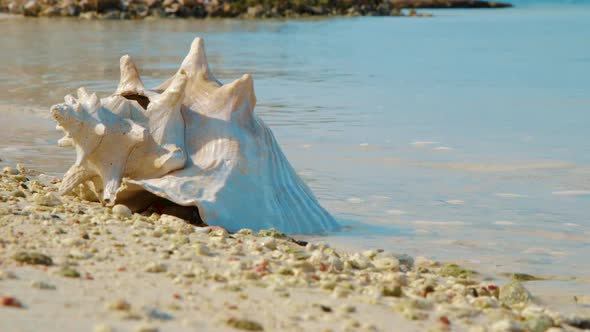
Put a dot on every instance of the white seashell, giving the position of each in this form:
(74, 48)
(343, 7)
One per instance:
(191, 142)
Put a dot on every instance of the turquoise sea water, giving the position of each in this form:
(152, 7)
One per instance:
(465, 136)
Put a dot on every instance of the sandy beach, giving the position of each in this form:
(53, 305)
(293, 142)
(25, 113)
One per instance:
(72, 265)
(453, 151)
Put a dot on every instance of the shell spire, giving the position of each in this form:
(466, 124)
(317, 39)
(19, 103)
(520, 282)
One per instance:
(196, 60)
(196, 66)
(130, 82)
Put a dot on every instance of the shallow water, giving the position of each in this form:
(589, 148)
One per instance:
(462, 137)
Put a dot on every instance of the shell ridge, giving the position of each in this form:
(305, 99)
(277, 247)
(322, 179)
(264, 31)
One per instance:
(276, 199)
(294, 204)
(302, 190)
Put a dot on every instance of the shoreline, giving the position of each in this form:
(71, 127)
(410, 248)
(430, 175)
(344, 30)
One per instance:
(113, 270)
(115, 9)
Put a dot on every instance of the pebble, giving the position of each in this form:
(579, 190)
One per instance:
(539, 323)
(203, 250)
(49, 199)
(454, 270)
(146, 328)
(102, 328)
(348, 308)
(177, 224)
(202, 230)
(336, 263)
(31, 8)
(218, 232)
(506, 326)
(10, 171)
(525, 277)
(5, 275)
(33, 258)
(269, 243)
(272, 233)
(477, 329)
(18, 193)
(43, 285)
(393, 291)
(122, 211)
(423, 262)
(119, 305)
(387, 264)
(406, 260)
(9, 301)
(359, 262)
(153, 267)
(71, 242)
(514, 293)
(69, 272)
(244, 324)
(79, 254)
(154, 313)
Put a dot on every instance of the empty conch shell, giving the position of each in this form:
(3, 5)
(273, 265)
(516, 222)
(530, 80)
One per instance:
(191, 144)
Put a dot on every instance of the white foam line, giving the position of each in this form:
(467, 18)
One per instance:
(439, 223)
(571, 192)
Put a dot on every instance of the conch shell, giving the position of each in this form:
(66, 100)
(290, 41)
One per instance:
(191, 144)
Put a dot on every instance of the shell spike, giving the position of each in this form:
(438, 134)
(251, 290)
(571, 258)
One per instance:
(83, 94)
(56, 112)
(65, 141)
(130, 82)
(196, 59)
(69, 99)
(195, 65)
(137, 133)
(112, 182)
(173, 94)
(100, 129)
(93, 101)
(240, 94)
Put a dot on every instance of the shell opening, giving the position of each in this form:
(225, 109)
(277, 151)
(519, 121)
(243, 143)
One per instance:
(142, 100)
